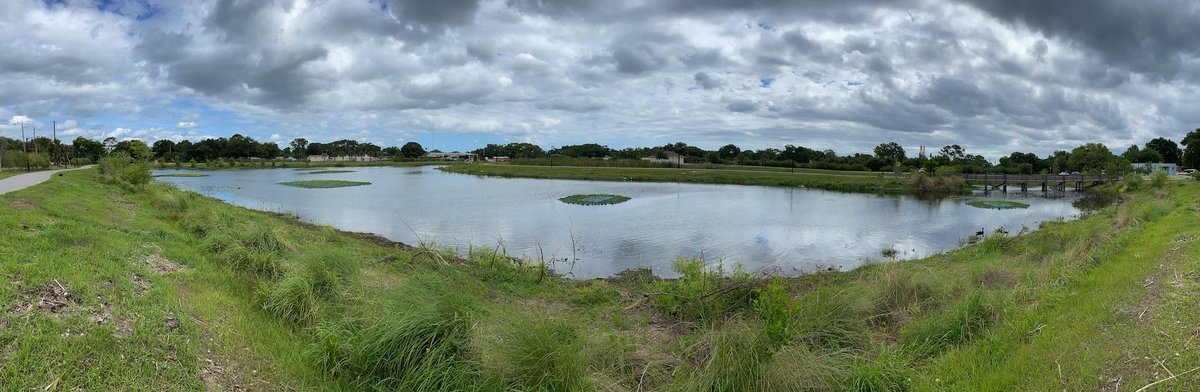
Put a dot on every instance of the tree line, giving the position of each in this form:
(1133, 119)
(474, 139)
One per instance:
(42, 152)
(1092, 157)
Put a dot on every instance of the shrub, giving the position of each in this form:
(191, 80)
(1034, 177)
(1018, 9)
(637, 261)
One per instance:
(1133, 182)
(1158, 179)
(778, 312)
(693, 295)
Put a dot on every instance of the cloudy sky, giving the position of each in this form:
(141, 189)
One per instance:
(992, 75)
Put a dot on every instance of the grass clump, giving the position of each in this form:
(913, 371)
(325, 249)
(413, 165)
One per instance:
(322, 184)
(997, 204)
(703, 294)
(543, 355)
(594, 200)
(1159, 179)
(415, 342)
(923, 183)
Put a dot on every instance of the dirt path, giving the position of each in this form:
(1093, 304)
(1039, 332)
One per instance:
(22, 181)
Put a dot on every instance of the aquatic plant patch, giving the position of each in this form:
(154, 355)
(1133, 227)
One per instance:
(321, 184)
(182, 175)
(329, 171)
(594, 200)
(997, 204)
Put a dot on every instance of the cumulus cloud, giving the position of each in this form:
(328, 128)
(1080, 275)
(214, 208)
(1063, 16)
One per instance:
(989, 74)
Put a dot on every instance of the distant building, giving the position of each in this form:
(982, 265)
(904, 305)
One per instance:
(1169, 168)
(672, 158)
(499, 159)
(453, 156)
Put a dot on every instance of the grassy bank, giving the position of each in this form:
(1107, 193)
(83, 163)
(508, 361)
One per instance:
(810, 178)
(115, 287)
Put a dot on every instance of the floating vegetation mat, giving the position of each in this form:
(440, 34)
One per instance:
(594, 200)
(329, 171)
(182, 175)
(997, 204)
(323, 183)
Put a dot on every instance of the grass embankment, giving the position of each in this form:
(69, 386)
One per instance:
(112, 287)
(323, 184)
(811, 178)
(594, 200)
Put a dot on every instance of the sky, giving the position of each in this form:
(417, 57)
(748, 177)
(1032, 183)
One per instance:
(994, 76)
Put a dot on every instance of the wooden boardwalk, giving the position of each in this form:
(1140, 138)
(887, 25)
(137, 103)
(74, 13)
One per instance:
(1046, 182)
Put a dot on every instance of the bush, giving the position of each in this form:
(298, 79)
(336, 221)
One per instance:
(778, 312)
(691, 296)
(1133, 182)
(1158, 179)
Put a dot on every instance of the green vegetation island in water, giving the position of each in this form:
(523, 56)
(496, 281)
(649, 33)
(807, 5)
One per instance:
(329, 171)
(322, 184)
(997, 204)
(594, 200)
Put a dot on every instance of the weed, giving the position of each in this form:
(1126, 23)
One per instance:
(778, 311)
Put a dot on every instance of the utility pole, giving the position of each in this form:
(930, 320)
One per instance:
(54, 143)
(24, 146)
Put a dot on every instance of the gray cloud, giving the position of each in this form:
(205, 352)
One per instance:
(844, 75)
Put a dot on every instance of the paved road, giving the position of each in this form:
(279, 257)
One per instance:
(22, 181)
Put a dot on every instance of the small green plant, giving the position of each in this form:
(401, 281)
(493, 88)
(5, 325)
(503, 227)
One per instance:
(889, 252)
(778, 311)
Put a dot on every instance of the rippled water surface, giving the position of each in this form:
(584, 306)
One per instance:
(793, 230)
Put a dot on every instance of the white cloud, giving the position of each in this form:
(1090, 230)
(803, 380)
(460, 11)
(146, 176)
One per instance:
(185, 124)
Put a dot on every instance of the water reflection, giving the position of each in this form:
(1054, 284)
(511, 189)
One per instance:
(792, 230)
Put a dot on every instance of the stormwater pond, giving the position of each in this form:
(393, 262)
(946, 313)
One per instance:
(788, 230)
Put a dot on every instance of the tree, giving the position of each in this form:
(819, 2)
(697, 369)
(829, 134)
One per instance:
(729, 151)
(87, 148)
(954, 152)
(1166, 148)
(1191, 155)
(299, 146)
(412, 150)
(1091, 158)
(890, 152)
(163, 149)
(110, 143)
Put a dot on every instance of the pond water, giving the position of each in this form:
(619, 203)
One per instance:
(790, 230)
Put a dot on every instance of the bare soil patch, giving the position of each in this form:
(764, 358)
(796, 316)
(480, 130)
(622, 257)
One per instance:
(161, 265)
(21, 204)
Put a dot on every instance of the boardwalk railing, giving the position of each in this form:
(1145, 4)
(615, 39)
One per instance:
(1045, 181)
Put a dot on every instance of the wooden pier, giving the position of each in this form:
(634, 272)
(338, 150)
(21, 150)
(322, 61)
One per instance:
(1047, 182)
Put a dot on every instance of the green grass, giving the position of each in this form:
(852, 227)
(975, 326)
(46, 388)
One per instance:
(170, 290)
(997, 204)
(809, 178)
(594, 200)
(182, 175)
(322, 184)
(329, 171)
